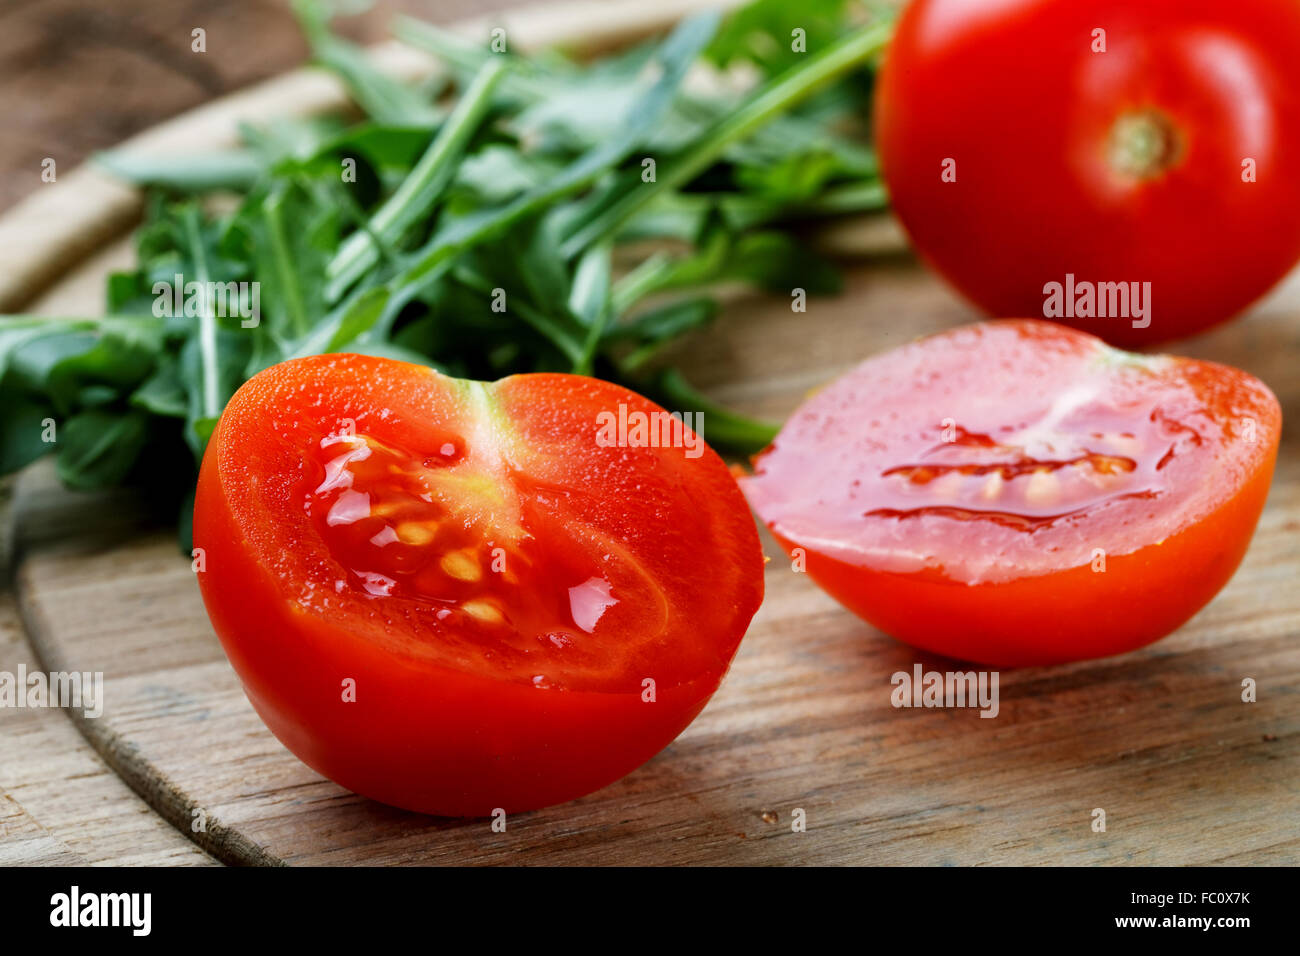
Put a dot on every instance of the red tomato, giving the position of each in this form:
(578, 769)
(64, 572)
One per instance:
(1170, 157)
(525, 611)
(1020, 493)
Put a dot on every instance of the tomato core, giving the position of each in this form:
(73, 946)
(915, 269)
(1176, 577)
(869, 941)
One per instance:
(1145, 144)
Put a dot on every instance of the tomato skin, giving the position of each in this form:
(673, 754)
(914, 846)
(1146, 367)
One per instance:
(424, 734)
(1016, 597)
(1014, 94)
(1075, 614)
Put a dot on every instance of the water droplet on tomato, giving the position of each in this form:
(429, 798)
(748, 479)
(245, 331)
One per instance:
(589, 601)
(350, 507)
(375, 584)
(556, 639)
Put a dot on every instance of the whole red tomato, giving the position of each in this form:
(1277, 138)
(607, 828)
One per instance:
(1129, 167)
(456, 596)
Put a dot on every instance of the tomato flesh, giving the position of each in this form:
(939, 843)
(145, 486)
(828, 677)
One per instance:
(1020, 493)
(1148, 143)
(523, 613)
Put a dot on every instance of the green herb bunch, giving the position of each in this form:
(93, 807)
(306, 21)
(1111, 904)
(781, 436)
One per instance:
(515, 215)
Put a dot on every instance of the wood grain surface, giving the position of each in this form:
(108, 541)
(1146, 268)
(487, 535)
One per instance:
(1160, 739)
(82, 75)
(60, 803)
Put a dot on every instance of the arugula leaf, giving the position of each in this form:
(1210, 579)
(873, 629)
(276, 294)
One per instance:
(235, 170)
(22, 428)
(382, 97)
(421, 189)
(835, 60)
(674, 58)
(98, 447)
(723, 425)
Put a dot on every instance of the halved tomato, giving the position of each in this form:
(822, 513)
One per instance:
(455, 597)
(1020, 493)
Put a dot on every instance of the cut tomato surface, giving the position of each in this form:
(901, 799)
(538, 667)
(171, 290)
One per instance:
(1020, 493)
(453, 596)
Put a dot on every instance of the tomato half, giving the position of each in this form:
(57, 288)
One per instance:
(1050, 157)
(1020, 493)
(455, 597)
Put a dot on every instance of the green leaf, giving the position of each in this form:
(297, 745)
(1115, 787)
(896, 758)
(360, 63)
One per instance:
(589, 300)
(163, 393)
(122, 355)
(498, 173)
(419, 191)
(589, 297)
(658, 328)
(667, 321)
(97, 448)
(16, 331)
(674, 57)
(359, 318)
(235, 170)
(533, 250)
(722, 426)
(793, 86)
(778, 262)
(383, 145)
(382, 97)
(525, 82)
(763, 32)
(22, 430)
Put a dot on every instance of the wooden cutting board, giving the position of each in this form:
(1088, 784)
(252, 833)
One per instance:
(1160, 739)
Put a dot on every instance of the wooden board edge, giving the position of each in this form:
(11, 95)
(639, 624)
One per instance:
(224, 843)
(55, 227)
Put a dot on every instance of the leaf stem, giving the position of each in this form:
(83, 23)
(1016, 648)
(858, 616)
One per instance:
(284, 269)
(422, 188)
(210, 396)
(785, 91)
(725, 427)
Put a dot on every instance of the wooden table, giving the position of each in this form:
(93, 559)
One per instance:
(82, 75)
(1160, 739)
